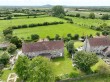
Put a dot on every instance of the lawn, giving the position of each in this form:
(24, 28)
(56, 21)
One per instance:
(5, 74)
(52, 30)
(78, 44)
(95, 79)
(64, 65)
(7, 23)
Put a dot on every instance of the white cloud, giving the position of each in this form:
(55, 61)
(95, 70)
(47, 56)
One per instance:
(57, 2)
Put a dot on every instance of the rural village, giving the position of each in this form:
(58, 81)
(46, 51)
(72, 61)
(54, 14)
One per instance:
(54, 44)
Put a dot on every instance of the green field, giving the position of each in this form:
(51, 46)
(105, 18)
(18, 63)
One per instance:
(98, 14)
(88, 22)
(13, 22)
(52, 30)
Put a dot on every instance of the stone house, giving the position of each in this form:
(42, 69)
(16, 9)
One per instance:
(98, 45)
(50, 49)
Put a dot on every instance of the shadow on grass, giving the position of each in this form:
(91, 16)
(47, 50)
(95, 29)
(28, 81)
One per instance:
(58, 59)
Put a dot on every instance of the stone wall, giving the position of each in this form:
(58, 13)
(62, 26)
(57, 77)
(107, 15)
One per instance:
(55, 53)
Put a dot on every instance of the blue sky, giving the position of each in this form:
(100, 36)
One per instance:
(55, 2)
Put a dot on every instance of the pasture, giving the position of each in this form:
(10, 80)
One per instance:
(52, 30)
(13, 22)
(88, 22)
(86, 13)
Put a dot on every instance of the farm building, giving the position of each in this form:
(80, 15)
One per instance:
(50, 49)
(98, 45)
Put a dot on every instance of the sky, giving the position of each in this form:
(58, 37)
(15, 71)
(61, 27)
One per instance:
(55, 2)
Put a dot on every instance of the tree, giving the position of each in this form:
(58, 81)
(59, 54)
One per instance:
(57, 37)
(90, 36)
(12, 48)
(7, 31)
(105, 17)
(98, 34)
(77, 15)
(34, 36)
(8, 37)
(105, 33)
(41, 70)
(21, 67)
(58, 11)
(15, 40)
(76, 37)
(92, 15)
(4, 59)
(9, 17)
(84, 60)
(70, 47)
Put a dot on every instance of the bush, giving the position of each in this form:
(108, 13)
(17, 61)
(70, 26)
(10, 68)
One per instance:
(12, 48)
(34, 37)
(76, 37)
(77, 15)
(105, 17)
(103, 70)
(73, 75)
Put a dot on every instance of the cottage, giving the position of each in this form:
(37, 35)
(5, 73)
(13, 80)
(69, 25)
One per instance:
(98, 45)
(48, 49)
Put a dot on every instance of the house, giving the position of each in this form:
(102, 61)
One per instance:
(50, 49)
(98, 45)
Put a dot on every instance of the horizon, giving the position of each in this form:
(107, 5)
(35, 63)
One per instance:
(54, 2)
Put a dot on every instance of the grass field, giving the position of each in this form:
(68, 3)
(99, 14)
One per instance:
(86, 13)
(52, 30)
(89, 22)
(7, 23)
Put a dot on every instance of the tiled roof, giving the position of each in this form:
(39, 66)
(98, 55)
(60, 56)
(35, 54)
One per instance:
(104, 41)
(41, 46)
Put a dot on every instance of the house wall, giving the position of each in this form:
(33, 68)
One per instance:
(86, 46)
(55, 53)
(96, 49)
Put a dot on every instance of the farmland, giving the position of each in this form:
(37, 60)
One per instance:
(33, 25)
(86, 13)
(7, 23)
(88, 22)
(62, 30)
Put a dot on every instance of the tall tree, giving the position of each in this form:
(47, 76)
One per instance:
(12, 48)
(4, 59)
(15, 40)
(21, 67)
(58, 11)
(92, 15)
(84, 60)
(41, 70)
(105, 17)
(70, 47)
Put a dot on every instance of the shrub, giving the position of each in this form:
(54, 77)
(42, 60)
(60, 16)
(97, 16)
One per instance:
(34, 37)
(73, 75)
(103, 70)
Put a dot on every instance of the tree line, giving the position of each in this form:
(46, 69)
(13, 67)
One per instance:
(35, 25)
